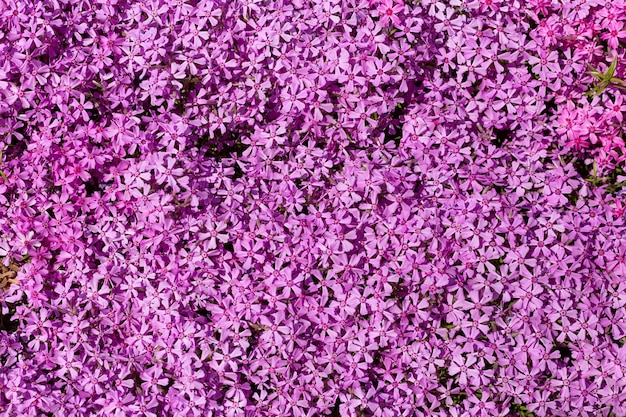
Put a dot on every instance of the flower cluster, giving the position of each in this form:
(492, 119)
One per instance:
(312, 207)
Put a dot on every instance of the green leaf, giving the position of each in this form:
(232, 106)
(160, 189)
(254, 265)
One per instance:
(605, 79)
(2, 174)
(521, 410)
(612, 67)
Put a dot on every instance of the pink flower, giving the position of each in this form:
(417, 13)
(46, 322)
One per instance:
(388, 10)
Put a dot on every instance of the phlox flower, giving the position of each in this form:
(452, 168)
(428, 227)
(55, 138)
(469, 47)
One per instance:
(389, 11)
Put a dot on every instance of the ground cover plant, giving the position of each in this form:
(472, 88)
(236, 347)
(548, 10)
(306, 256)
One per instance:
(312, 208)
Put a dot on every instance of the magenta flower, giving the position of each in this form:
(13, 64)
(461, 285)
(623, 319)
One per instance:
(375, 207)
(389, 10)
